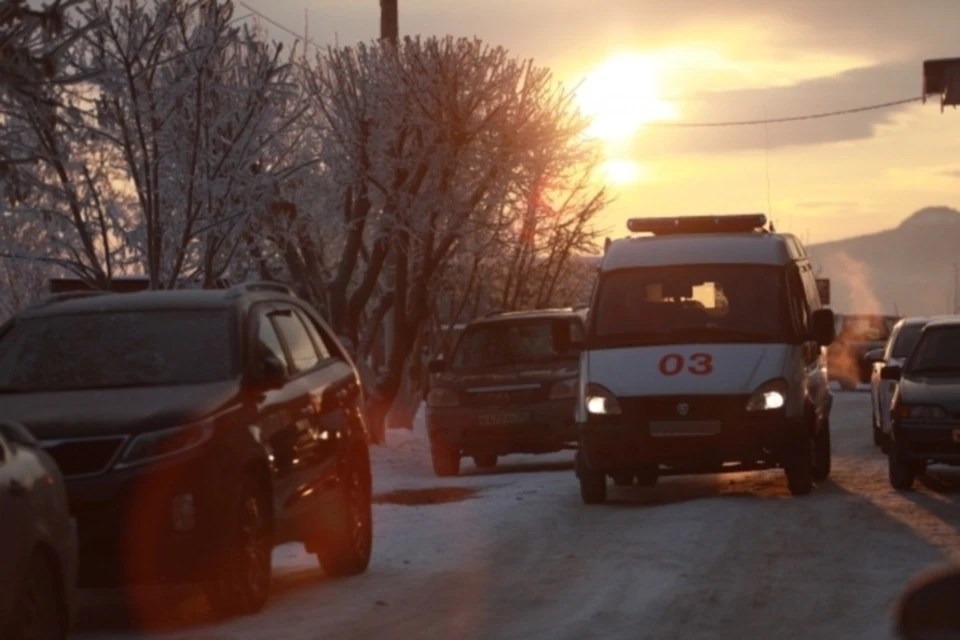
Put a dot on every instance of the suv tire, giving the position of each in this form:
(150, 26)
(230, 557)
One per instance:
(446, 460)
(348, 552)
(486, 461)
(240, 580)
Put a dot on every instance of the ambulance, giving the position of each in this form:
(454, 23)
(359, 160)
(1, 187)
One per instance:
(704, 352)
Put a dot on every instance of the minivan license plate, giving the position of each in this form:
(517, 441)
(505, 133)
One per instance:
(501, 419)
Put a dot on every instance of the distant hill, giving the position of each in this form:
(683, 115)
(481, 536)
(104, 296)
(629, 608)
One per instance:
(908, 268)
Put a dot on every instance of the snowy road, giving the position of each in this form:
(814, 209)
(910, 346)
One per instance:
(696, 557)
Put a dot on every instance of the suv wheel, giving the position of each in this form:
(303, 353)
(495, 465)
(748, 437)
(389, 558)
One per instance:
(623, 479)
(799, 470)
(446, 460)
(593, 487)
(348, 552)
(822, 455)
(487, 461)
(648, 477)
(40, 611)
(240, 583)
(901, 473)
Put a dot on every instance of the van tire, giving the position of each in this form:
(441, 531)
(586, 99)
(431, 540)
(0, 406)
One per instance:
(593, 487)
(799, 470)
(822, 454)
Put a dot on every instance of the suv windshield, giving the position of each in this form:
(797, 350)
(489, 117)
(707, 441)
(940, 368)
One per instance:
(937, 351)
(117, 349)
(906, 339)
(691, 303)
(490, 344)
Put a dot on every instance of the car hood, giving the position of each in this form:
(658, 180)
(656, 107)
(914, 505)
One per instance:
(540, 374)
(943, 391)
(110, 411)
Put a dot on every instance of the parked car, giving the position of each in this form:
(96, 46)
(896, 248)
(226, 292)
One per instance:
(38, 544)
(926, 404)
(506, 389)
(902, 339)
(856, 335)
(195, 430)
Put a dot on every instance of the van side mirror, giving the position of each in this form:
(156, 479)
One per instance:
(562, 334)
(439, 365)
(927, 607)
(822, 327)
(891, 372)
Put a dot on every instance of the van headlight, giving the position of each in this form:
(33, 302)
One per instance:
(769, 396)
(600, 401)
(158, 445)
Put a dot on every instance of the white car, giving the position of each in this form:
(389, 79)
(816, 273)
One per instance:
(903, 337)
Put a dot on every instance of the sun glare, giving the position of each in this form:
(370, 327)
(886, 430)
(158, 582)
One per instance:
(622, 172)
(623, 94)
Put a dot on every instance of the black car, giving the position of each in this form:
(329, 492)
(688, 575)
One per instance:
(926, 404)
(506, 389)
(196, 429)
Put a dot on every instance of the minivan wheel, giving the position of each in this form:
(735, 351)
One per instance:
(799, 470)
(348, 552)
(822, 454)
(240, 580)
(40, 611)
(446, 460)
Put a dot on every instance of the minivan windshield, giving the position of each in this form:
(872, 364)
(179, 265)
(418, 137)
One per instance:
(490, 344)
(937, 351)
(116, 349)
(691, 303)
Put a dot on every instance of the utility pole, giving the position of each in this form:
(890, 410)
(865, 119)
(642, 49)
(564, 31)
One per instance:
(389, 21)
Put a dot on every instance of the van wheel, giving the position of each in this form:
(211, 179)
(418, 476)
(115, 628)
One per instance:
(822, 455)
(799, 470)
(593, 487)
(446, 460)
(240, 583)
(901, 473)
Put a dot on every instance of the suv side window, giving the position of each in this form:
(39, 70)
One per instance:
(269, 341)
(303, 353)
(323, 337)
(318, 340)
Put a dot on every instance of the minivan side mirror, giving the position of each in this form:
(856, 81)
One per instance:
(891, 372)
(438, 365)
(927, 607)
(822, 327)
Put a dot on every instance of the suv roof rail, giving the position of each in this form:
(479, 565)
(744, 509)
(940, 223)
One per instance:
(63, 296)
(254, 286)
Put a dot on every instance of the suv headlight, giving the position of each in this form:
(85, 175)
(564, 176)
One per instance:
(564, 389)
(600, 401)
(769, 396)
(158, 445)
(440, 397)
(921, 411)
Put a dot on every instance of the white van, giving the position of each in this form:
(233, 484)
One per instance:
(704, 353)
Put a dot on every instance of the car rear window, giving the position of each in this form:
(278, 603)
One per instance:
(117, 349)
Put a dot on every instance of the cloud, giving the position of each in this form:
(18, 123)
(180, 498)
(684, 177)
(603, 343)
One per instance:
(851, 89)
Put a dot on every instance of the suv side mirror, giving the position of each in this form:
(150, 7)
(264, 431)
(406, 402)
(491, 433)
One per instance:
(439, 365)
(927, 608)
(272, 373)
(562, 335)
(891, 372)
(822, 327)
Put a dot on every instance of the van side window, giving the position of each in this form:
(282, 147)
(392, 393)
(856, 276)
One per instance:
(810, 287)
(798, 301)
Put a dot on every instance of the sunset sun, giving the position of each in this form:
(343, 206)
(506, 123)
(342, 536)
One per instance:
(623, 94)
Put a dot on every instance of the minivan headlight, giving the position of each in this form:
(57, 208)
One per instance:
(158, 445)
(769, 396)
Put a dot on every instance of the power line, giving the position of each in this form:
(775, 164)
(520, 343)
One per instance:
(678, 125)
(765, 121)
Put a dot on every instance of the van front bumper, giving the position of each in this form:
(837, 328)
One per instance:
(618, 444)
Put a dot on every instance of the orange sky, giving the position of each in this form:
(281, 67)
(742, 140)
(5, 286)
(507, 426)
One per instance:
(702, 60)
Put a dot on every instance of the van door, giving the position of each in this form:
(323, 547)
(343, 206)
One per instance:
(818, 384)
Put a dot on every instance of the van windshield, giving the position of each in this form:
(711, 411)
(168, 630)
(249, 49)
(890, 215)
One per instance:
(691, 304)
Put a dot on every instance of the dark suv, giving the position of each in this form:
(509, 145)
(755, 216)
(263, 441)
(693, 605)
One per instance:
(195, 429)
(507, 389)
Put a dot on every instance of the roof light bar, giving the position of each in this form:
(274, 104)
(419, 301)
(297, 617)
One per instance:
(743, 222)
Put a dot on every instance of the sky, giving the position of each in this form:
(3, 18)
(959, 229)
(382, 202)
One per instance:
(642, 66)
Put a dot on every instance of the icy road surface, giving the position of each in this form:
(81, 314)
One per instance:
(727, 556)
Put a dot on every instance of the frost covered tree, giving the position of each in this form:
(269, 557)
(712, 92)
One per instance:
(427, 148)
